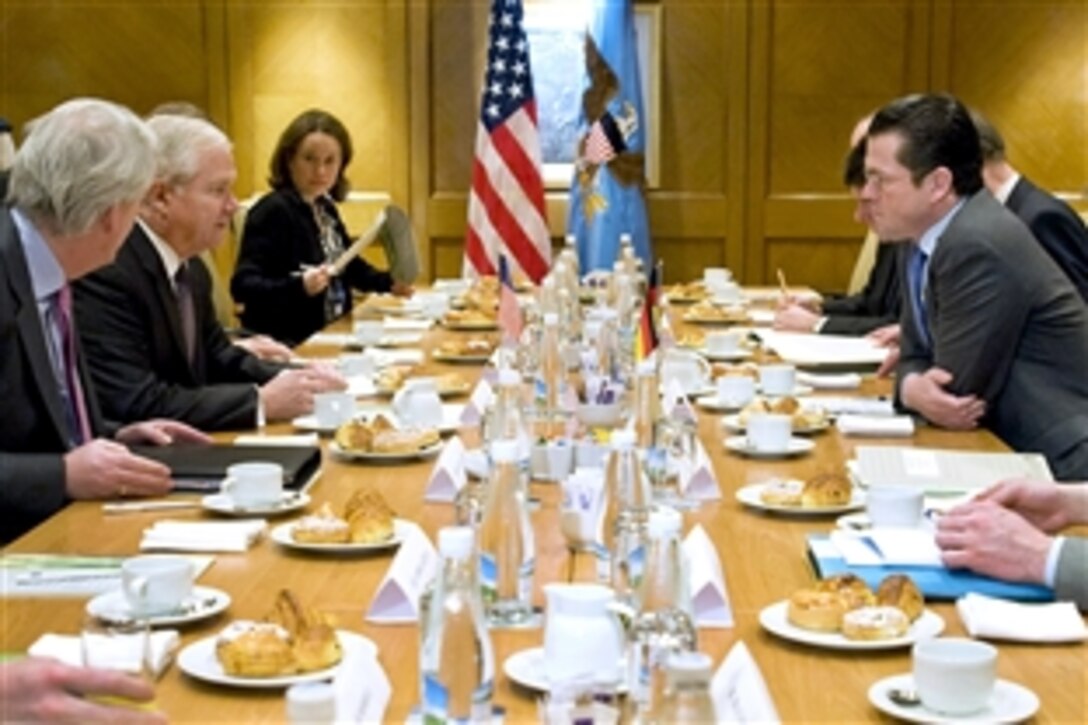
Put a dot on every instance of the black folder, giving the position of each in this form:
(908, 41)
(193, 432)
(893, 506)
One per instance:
(202, 468)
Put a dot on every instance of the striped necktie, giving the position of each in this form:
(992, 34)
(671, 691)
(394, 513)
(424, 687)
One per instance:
(77, 404)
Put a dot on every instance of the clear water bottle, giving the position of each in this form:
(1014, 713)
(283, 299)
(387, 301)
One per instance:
(550, 374)
(663, 625)
(627, 507)
(687, 698)
(507, 554)
(508, 419)
(457, 661)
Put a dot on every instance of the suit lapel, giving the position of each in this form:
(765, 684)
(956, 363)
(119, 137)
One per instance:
(29, 323)
(163, 291)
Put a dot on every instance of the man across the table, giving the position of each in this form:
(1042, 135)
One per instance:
(993, 332)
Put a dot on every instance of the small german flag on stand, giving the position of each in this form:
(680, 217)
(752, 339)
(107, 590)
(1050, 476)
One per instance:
(646, 337)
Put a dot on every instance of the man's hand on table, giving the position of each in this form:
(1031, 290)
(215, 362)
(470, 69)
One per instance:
(291, 393)
(926, 394)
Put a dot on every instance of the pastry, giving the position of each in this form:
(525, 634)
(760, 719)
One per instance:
(391, 378)
(369, 517)
(851, 590)
(381, 436)
(899, 590)
(826, 489)
(255, 649)
(324, 527)
(355, 435)
(875, 623)
(464, 348)
(314, 644)
(725, 370)
(820, 611)
(782, 492)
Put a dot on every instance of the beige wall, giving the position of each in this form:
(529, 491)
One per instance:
(757, 99)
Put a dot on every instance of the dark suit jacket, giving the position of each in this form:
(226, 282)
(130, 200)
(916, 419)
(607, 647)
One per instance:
(876, 305)
(1057, 227)
(1008, 325)
(1070, 583)
(280, 236)
(34, 430)
(132, 334)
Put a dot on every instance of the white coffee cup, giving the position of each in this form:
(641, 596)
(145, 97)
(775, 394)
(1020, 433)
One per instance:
(333, 409)
(369, 332)
(254, 484)
(357, 364)
(722, 342)
(714, 276)
(686, 366)
(769, 432)
(777, 379)
(157, 583)
(417, 403)
(725, 293)
(894, 506)
(954, 676)
(736, 391)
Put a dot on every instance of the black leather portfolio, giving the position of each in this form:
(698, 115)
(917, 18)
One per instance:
(202, 468)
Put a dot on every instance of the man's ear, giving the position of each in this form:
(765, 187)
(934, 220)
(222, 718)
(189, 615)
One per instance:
(156, 201)
(940, 182)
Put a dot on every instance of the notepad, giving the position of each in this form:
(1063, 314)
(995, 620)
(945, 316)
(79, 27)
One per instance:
(945, 472)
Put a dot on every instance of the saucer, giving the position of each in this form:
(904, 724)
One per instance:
(526, 668)
(796, 447)
(732, 423)
(775, 619)
(716, 405)
(798, 389)
(202, 603)
(221, 503)
(1009, 703)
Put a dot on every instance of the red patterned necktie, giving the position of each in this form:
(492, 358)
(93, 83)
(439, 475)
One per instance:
(184, 289)
(71, 372)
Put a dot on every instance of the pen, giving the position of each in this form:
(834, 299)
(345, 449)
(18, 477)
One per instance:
(782, 284)
(129, 507)
(303, 269)
(38, 577)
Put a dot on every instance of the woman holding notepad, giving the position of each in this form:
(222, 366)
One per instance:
(288, 281)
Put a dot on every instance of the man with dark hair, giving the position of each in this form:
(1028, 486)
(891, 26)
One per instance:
(993, 332)
(1052, 222)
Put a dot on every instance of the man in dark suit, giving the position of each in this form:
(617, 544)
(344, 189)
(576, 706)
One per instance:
(75, 189)
(993, 332)
(148, 322)
(1052, 222)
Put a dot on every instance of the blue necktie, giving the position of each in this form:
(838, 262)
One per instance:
(916, 277)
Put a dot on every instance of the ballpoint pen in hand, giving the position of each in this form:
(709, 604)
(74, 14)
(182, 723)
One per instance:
(782, 285)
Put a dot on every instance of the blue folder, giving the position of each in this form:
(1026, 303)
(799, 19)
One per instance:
(935, 582)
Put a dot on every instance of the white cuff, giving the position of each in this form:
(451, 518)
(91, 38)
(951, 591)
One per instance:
(820, 324)
(1052, 557)
(260, 407)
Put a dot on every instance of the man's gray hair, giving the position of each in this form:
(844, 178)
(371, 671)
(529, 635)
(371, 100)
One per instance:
(180, 141)
(78, 161)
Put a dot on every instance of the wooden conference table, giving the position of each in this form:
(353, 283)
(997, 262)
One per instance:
(763, 557)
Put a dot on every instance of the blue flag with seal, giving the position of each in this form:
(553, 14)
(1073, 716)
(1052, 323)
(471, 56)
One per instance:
(608, 191)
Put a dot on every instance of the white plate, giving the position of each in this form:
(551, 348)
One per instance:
(749, 496)
(282, 536)
(797, 446)
(526, 668)
(221, 503)
(428, 452)
(1009, 703)
(198, 660)
(774, 620)
(731, 356)
(202, 603)
(732, 423)
(798, 389)
(712, 403)
(309, 423)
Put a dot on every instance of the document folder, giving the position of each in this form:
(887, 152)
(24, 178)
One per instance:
(202, 468)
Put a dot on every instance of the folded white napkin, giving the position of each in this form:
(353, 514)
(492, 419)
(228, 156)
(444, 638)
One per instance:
(302, 440)
(881, 426)
(69, 649)
(362, 688)
(402, 356)
(761, 317)
(361, 386)
(337, 339)
(228, 536)
(992, 618)
(401, 324)
(858, 405)
(830, 381)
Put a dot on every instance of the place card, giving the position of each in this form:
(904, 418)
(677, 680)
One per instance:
(697, 480)
(412, 569)
(739, 691)
(361, 687)
(709, 598)
(880, 426)
(677, 405)
(448, 476)
(483, 396)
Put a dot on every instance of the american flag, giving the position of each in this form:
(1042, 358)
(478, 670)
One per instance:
(509, 307)
(506, 207)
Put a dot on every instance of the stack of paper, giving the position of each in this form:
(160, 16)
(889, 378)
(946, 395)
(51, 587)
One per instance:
(942, 471)
(809, 349)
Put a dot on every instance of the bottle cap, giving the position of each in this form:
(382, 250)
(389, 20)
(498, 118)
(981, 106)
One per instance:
(505, 450)
(664, 522)
(623, 439)
(688, 667)
(455, 542)
(509, 376)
